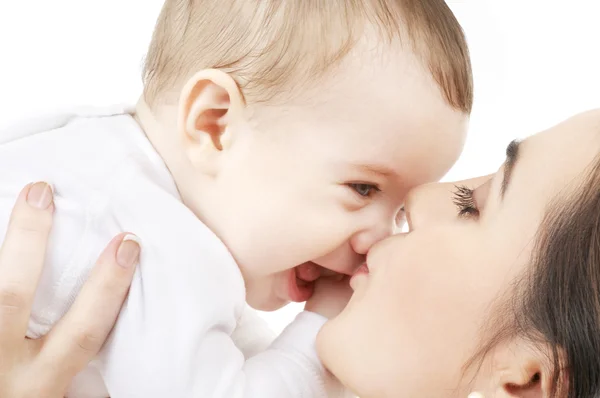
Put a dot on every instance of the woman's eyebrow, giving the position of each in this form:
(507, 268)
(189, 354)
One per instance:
(512, 156)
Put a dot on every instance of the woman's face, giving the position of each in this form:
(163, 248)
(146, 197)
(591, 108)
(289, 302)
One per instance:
(419, 314)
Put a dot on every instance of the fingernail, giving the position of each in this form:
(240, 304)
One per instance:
(40, 195)
(129, 251)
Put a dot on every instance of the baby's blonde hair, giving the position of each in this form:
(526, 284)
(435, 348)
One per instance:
(270, 46)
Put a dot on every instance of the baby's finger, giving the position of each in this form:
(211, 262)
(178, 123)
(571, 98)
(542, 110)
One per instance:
(22, 258)
(78, 337)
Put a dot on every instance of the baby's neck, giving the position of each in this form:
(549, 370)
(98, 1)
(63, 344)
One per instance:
(160, 128)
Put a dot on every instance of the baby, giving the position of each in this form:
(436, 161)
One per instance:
(274, 143)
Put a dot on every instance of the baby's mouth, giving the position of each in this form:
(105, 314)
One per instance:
(304, 277)
(302, 281)
(308, 272)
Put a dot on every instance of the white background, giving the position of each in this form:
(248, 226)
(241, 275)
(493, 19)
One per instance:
(535, 63)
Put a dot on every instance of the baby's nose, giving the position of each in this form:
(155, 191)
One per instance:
(364, 240)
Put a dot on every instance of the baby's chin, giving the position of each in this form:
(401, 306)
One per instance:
(272, 292)
(268, 306)
(265, 302)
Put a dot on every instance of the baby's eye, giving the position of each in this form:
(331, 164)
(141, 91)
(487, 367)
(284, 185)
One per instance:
(364, 190)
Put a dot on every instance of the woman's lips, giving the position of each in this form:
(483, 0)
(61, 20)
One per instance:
(361, 271)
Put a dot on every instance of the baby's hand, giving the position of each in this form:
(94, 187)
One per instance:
(330, 296)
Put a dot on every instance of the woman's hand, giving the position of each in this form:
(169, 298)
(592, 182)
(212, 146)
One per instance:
(45, 367)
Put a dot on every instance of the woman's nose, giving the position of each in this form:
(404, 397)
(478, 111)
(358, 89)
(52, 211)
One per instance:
(428, 204)
(434, 203)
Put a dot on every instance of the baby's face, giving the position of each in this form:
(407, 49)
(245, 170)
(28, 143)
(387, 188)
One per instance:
(312, 185)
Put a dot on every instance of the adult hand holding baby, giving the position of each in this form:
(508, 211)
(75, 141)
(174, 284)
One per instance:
(45, 367)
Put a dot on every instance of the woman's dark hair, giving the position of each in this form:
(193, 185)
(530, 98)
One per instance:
(556, 303)
(562, 301)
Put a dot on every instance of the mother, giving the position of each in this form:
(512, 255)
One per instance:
(499, 296)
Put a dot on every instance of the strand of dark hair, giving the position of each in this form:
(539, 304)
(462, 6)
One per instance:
(561, 305)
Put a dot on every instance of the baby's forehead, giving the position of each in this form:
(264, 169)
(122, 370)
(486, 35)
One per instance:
(419, 150)
(417, 142)
(406, 165)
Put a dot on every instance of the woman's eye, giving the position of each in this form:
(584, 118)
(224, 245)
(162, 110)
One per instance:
(364, 190)
(465, 202)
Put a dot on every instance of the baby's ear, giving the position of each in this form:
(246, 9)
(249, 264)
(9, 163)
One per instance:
(210, 101)
(523, 370)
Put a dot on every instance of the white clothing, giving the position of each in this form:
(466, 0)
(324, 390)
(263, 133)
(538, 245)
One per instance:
(175, 334)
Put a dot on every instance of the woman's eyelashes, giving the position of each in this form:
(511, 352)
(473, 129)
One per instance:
(364, 190)
(465, 202)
